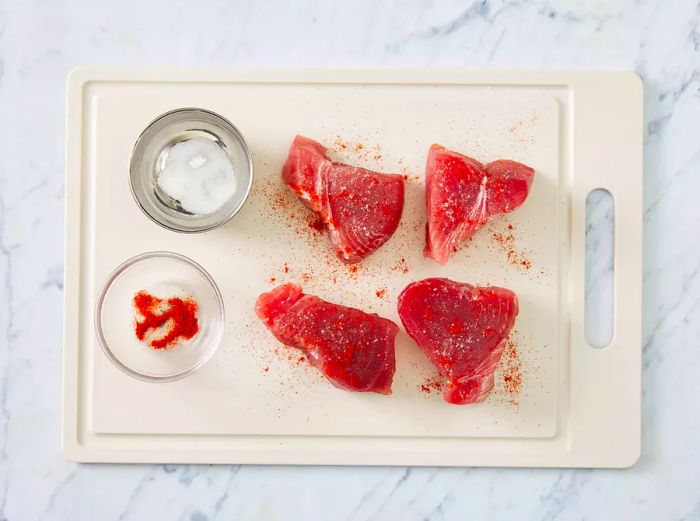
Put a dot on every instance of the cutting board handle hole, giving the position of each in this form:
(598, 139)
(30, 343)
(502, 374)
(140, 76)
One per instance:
(600, 268)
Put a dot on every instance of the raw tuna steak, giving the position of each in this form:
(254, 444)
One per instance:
(353, 349)
(360, 208)
(462, 195)
(462, 330)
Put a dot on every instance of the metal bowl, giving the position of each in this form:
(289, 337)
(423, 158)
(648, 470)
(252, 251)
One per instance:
(150, 153)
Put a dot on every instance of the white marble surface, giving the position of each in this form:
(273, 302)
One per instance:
(41, 40)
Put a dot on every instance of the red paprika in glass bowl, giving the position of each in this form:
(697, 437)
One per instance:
(159, 317)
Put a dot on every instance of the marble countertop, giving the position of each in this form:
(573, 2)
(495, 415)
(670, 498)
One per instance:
(41, 41)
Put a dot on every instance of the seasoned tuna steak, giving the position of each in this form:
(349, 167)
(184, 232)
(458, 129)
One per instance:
(353, 349)
(462, 329)
(361, 209)
(462, 195)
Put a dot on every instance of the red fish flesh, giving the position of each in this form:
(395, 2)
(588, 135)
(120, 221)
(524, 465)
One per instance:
(462, 195)
(462, 329)
(353, 349)
(361, 209)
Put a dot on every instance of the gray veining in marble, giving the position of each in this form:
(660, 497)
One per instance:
(41, 40)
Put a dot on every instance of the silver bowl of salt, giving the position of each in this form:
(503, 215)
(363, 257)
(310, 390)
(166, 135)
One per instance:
(191, 170)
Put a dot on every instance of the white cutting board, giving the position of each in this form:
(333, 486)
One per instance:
(254, 402)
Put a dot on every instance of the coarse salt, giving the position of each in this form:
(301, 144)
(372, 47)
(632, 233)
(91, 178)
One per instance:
(199, 175)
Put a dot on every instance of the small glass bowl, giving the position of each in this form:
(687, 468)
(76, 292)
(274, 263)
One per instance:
(151, 150)
(163, 274)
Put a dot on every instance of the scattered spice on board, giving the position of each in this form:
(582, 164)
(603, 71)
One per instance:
(170, 319)
(280, 201)
(356, 150)
(284, 352)
(506, 240)
(381, 293)
(401, 266)
(512, 372)
(279, 196)
(431, 385)
(340, 144)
